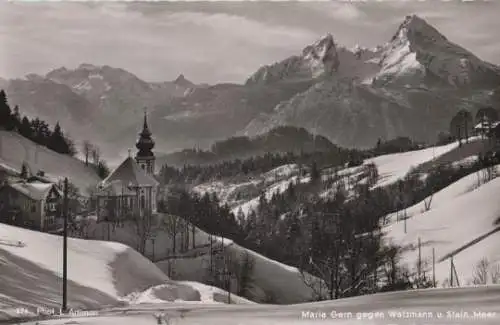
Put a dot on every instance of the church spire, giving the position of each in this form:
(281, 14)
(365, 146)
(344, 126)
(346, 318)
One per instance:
(145, 128)
(145, 143)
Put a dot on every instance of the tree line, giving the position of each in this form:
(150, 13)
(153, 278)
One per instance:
(34, 129)
(462, 124)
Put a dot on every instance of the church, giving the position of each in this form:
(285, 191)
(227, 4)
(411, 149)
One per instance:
(131, 189)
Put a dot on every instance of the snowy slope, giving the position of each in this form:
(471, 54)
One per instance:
(455, 220)
(395, 166)
(268, 277)
(283, 280)
(99, 274)
(15, 149)
(457, 307)
(451, 192)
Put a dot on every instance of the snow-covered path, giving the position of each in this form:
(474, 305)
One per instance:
(457, 306)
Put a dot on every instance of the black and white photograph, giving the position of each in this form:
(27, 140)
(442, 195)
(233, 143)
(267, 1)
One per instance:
(250, 162)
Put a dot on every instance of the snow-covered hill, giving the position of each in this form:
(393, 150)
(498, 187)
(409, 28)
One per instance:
(458, 216)
(390, 168)
(16, 149)
(99, 274)
(269, 276)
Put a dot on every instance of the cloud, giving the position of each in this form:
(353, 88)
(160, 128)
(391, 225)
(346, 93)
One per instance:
(155, 47)
(213, 42)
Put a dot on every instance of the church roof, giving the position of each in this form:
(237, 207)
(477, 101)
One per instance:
(130, 173)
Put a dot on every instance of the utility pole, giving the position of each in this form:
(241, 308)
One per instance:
(451, 271)
(211, 255)
(419, 263)
(65, 247)
(433, 267)
(228, 275)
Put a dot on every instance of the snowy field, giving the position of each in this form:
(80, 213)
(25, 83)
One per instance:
(393, 167)
(99, 274)
(15, 149)
(459, 214)
(458, 306)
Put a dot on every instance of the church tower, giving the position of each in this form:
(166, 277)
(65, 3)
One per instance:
(145, 157)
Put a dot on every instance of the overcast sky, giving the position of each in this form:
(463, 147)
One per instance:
(217, 42)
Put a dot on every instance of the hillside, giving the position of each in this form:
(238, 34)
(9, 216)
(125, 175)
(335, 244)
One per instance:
(100, 274)
(390, 168)
(459, 216)
(15, 149)
(279, 140)
(459, 221)
(268, 277)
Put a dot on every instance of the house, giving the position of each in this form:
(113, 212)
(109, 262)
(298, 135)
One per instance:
(483, 128)
(130, 189)
(35, 205)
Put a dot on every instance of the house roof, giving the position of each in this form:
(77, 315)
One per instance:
(130, 173)
(34, 190)
(486, 125)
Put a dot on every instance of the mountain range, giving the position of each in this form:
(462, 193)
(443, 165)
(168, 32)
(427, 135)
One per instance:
(410, 86)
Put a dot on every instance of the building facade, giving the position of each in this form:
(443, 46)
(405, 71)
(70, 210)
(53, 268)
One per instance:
(130, 190)
(35, 205)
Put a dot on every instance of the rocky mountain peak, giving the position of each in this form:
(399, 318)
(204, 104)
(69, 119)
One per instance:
(317, 59)
(416, 30)
(182, 81)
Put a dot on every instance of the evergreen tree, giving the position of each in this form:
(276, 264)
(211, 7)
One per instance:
(16, 118)
(102, 169)
(24, 171)
(6, 119)
(25, 128)
(56, 141)
(315, 174)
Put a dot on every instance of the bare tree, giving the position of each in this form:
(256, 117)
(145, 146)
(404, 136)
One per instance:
(242, 269)
(173, 225)
(143, 227)
(495, 274)
(428, 202)
(87, 149)
(372, 174)
(96, 155)
(481, 272)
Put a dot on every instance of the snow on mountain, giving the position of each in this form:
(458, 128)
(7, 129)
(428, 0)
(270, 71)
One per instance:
(316, 60)
(16, 149)
(385, 92)
(324, 58)
(418, 49)
(245, 195)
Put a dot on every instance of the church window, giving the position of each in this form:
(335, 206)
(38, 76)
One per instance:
(143, 202)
